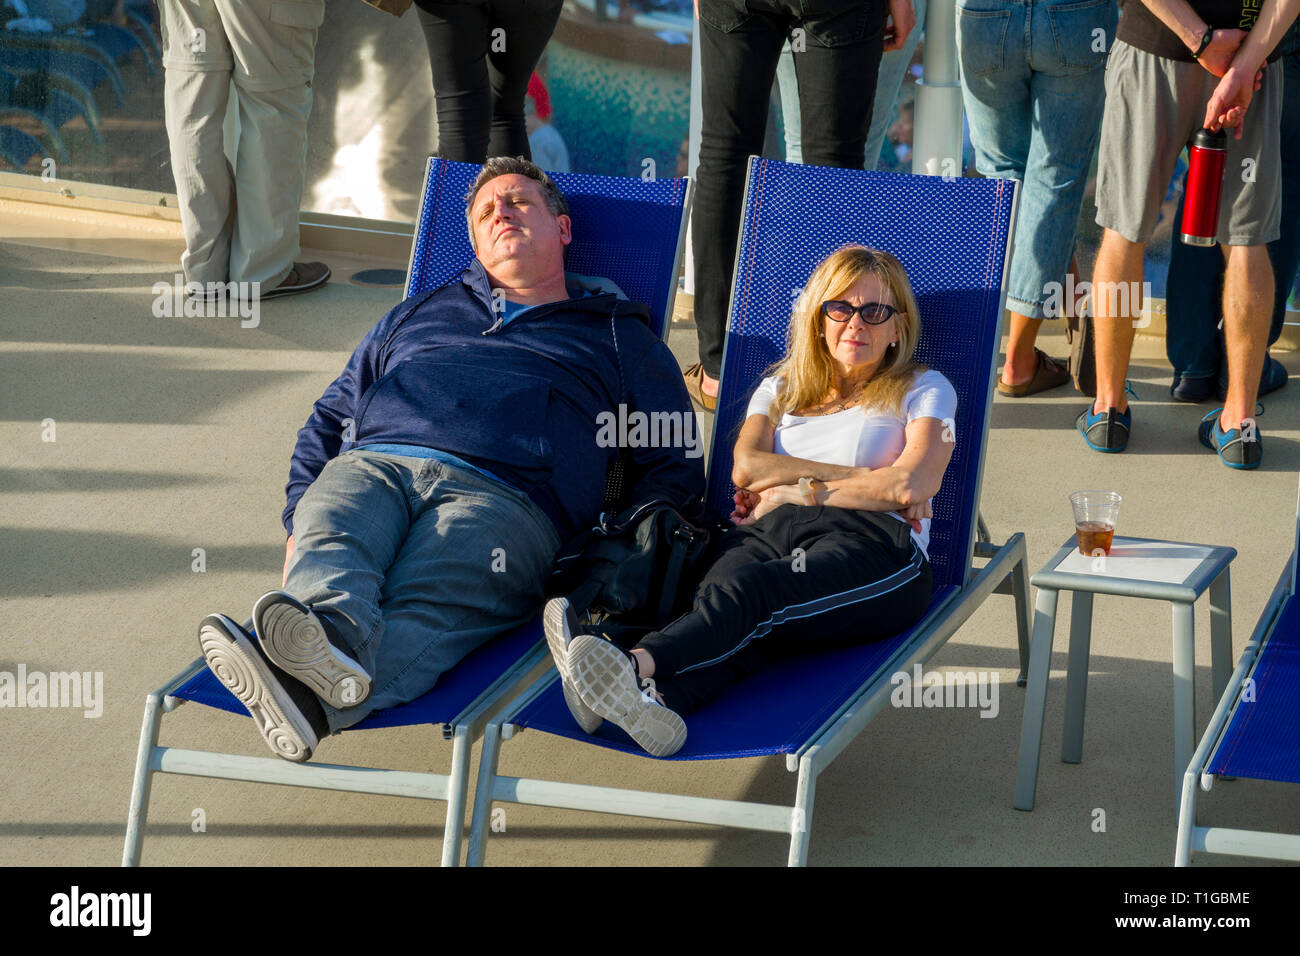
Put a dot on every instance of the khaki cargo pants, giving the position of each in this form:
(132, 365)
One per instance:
(240, 225)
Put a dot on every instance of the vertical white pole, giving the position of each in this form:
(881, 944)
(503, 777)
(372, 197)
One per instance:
(696, 123)
(937, 136)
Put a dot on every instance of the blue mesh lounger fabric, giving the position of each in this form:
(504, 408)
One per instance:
(640, 259)
(794, 216)
(1262, 740)
(623, 229)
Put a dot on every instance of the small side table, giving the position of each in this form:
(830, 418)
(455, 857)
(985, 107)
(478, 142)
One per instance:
(1136, 567)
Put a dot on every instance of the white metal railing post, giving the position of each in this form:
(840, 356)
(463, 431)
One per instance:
(938, 124)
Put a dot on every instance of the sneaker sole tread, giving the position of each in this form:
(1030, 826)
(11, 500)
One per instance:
(296, 643)
(553, 624)
(243, 673)
(604, 680)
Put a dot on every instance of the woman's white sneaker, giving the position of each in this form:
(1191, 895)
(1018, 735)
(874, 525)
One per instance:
(606, 681)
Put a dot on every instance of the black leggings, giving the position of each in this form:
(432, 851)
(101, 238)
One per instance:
(800, 579)
(482, 53)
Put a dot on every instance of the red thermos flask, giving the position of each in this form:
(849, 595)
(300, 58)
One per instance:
(1206, 157)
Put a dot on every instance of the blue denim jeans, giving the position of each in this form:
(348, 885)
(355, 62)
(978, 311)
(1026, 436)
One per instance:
(1194, 298)
(892, 67)
(415, 563)
(1033, 84)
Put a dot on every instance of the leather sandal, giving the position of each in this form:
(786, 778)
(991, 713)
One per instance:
(694, 376)
(1048, 374)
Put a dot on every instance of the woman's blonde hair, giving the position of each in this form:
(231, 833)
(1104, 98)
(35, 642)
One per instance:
(807, 373)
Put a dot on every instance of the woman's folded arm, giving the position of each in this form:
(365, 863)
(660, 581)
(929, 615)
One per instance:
(757, 468)
(913, 478)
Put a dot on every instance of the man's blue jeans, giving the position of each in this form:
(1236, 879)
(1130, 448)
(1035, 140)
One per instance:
(415, 563)
(1033, 84)
(1195, 283)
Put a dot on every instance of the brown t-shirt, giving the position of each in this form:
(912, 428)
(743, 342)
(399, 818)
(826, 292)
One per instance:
(1140, 28)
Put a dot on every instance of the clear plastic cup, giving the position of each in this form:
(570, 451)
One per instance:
(1095, 516)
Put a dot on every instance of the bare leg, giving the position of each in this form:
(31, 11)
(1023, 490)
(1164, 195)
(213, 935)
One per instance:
(1116, 306)
(1247, 311)
(1021, 361)
(1022, 336)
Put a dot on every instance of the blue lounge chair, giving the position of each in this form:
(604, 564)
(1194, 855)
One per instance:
(952, 238)
(1255, 731)
(643, 261)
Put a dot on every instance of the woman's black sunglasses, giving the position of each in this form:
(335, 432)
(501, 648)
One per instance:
(873, 313)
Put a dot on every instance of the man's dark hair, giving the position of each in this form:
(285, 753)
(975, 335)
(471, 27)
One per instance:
(518, 166)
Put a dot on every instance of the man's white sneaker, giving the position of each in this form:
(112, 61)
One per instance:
(303, 646)
(606, 681)
(559, 624)
(287, 714)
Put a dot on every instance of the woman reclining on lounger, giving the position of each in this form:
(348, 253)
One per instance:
(840, 453)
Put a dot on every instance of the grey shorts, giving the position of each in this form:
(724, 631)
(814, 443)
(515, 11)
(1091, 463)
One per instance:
(1153, 106)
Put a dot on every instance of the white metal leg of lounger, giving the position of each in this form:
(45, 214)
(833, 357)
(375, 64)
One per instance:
(452, 787)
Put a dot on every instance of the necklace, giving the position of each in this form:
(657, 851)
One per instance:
(844, 401)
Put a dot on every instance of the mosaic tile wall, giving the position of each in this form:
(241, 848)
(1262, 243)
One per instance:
(613, 115)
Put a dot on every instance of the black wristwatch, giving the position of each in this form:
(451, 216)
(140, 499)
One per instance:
(1205, 41)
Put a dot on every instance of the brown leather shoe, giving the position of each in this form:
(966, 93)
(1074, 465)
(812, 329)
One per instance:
(694, 376)
(303, 277)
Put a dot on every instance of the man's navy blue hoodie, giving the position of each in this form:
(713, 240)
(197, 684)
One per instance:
(520, 400)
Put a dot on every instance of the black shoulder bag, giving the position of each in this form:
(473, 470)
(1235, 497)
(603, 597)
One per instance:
(639, 567)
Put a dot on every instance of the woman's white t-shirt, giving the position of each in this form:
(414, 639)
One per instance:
(860, 437)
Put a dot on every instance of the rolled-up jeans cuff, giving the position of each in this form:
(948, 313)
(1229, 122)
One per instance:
(1030, 310)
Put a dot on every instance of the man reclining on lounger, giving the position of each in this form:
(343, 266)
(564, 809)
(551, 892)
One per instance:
(438, 476)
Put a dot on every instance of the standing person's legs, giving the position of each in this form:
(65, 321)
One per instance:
(738, 54)
(837, 73)
(996, 93)
(1196, 273)
(197, 65)
(274, 47)
(1150, 112)
(526, 27)
(1249, 219)
(1066, 94)
(1247, 310)
(893, 67)
(457, 35)
(1194, 290)
(1118, 266)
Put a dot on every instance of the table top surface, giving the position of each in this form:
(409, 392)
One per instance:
(1137, 567)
